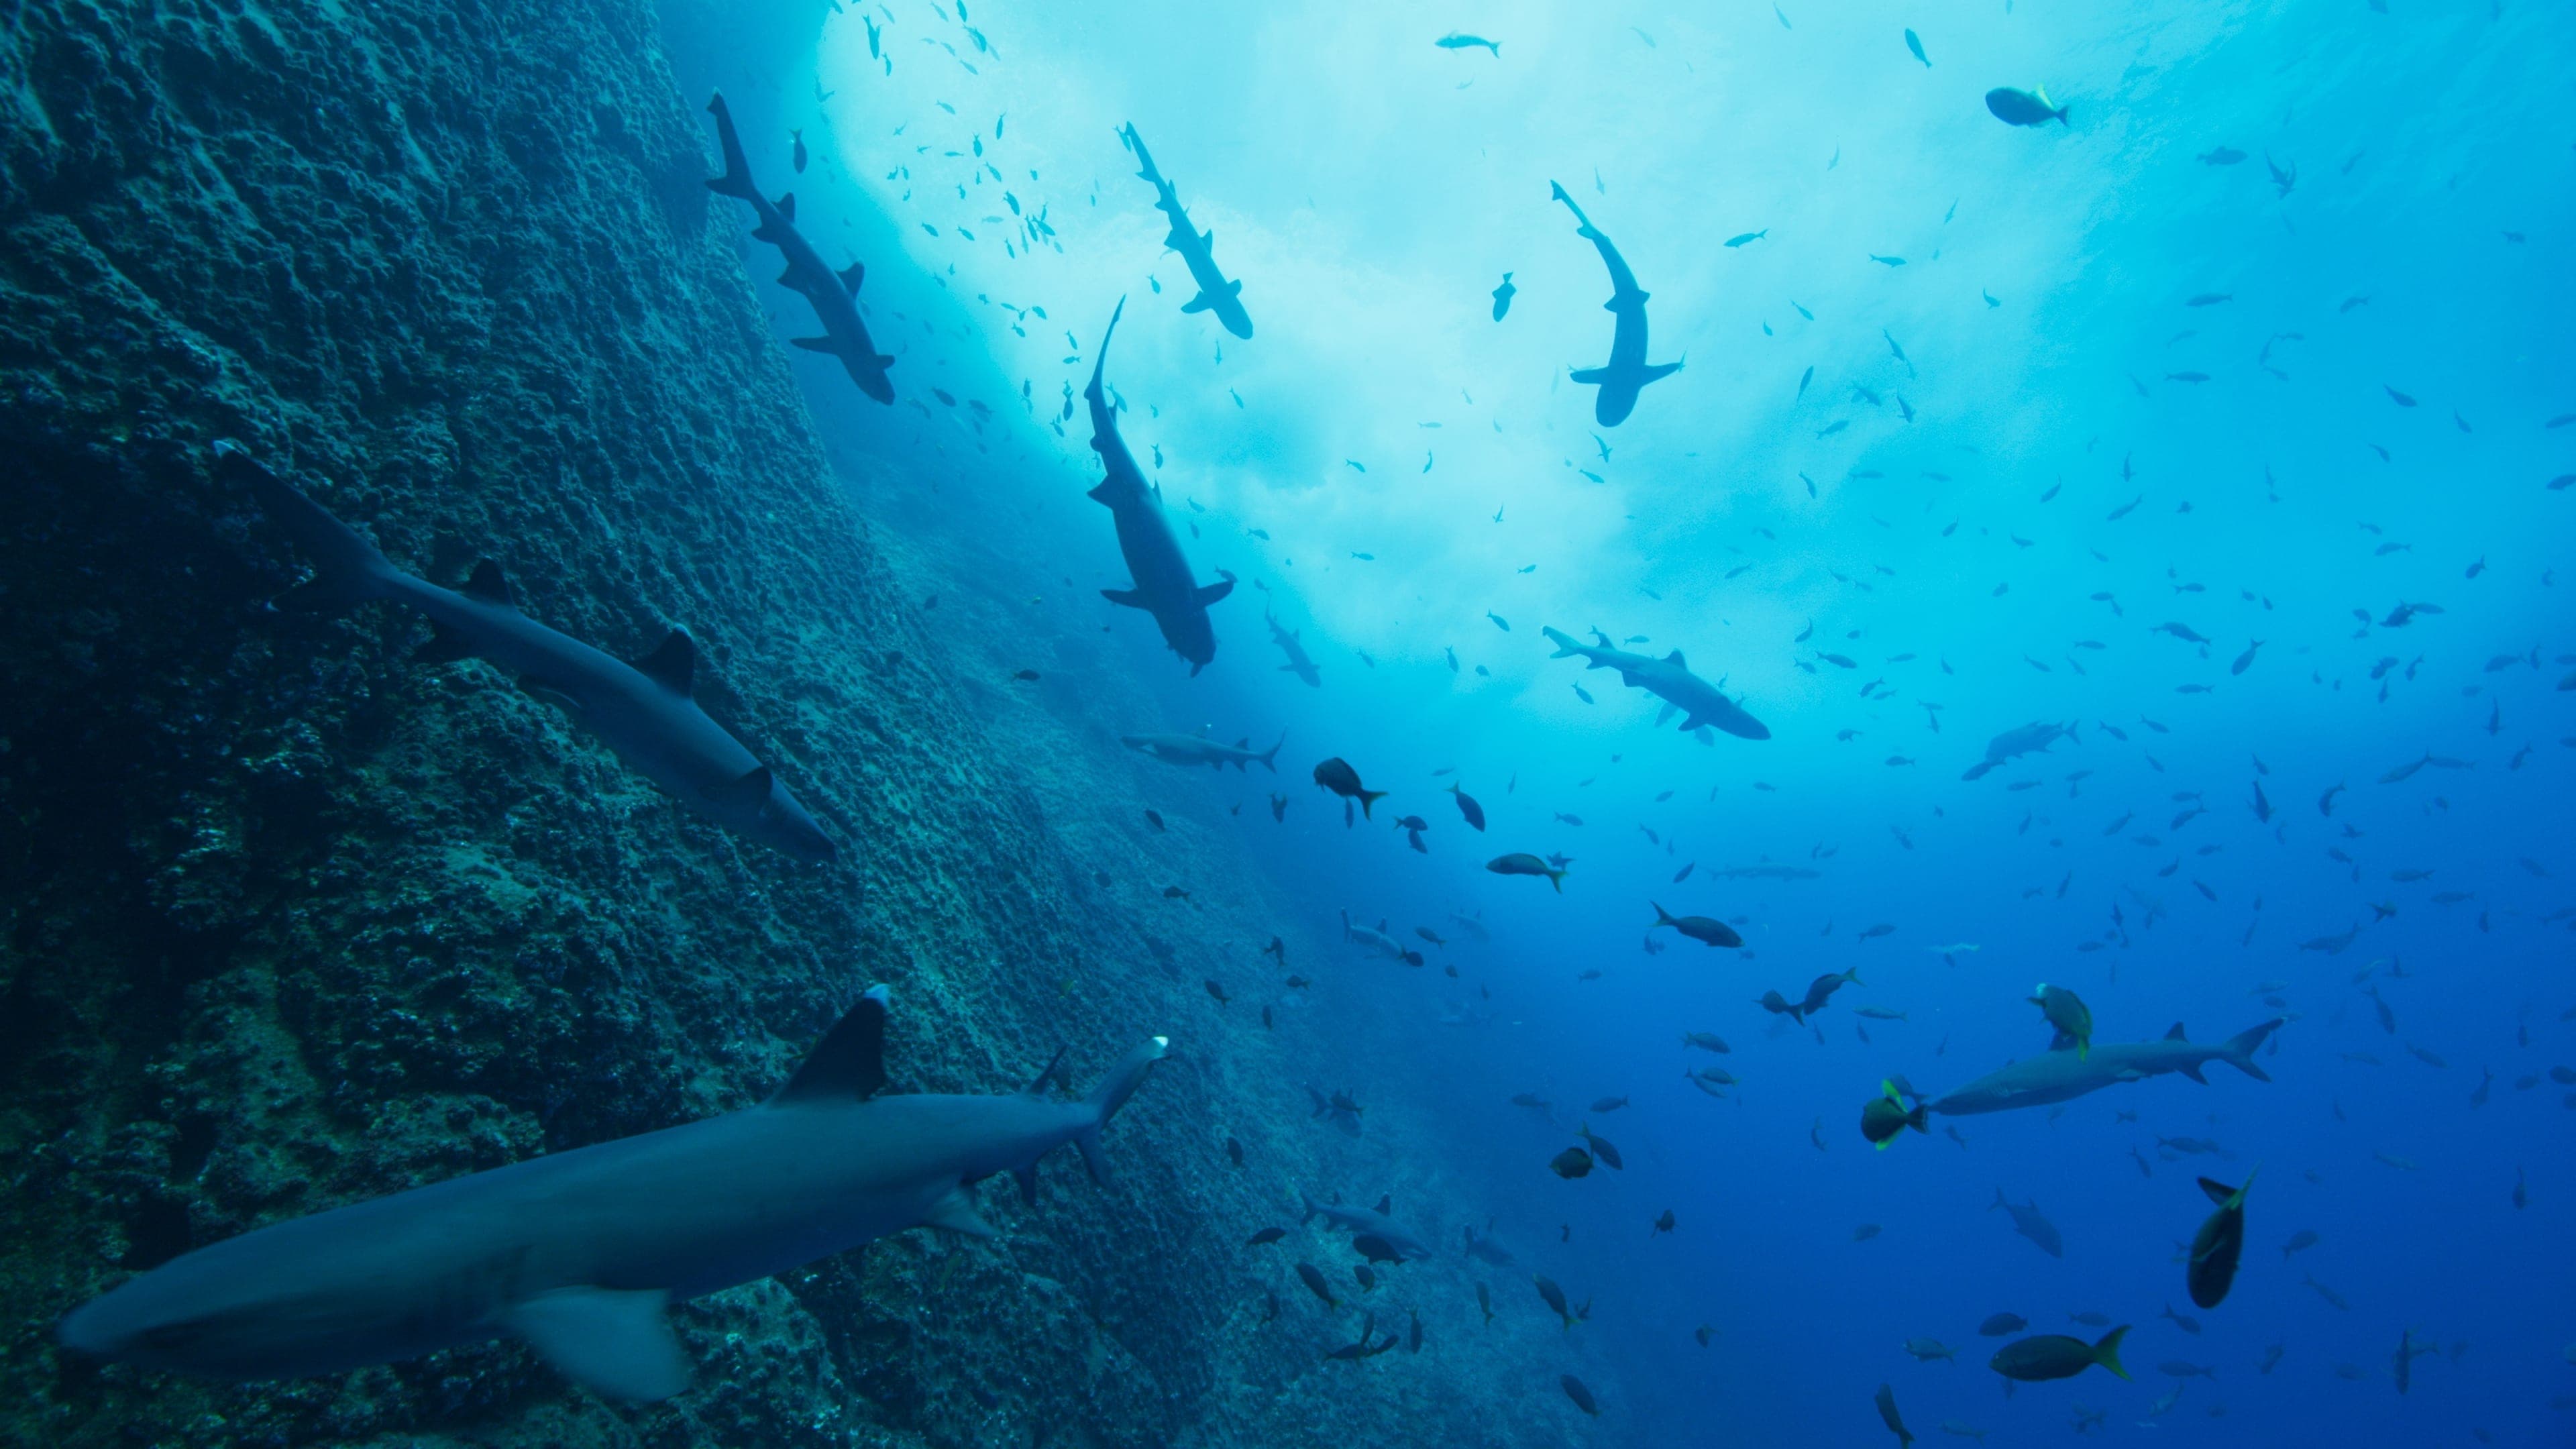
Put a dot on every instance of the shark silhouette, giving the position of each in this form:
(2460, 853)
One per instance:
(1164, 587)
(1627, 372)
(1197, 248)
(835, 295)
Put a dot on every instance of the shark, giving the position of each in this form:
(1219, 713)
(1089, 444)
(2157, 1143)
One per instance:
(1627, 372)
(835, 295)
(642, 709)
(1164, 587)
(2061, 1074)
(1197, 248)
(1197, 750)
(2012, 744)
(1700, 703)
(1377, 942)
(578, 1252)
(1298, 664)
(1361, 1221)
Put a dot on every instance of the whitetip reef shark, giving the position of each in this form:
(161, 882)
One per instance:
(835, 295)
(642, 710)
(2062, 1074)
(1627, 372)
(578, 1252)
(1200, 750)
(1197, 248)
(1701, 703)
(1164, 586)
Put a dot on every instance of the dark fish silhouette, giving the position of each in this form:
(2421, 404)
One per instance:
(1627, 371)
(1197, 249)
(1164, 587)
(2024, 108)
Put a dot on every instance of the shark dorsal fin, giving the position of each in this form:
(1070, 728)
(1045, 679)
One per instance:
(849, 1062)
(1675, 659)
(1386, 1205)
(852, 275)
(2176, 1033)
(672, 662)
(488, 585)
(787, 205)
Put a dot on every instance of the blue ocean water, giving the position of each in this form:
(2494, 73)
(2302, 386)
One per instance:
(2267, 341)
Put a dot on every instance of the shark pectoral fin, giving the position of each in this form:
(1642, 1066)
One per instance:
(1692, 725)
(1590, 376)
(1027, 1178)
(1214, 592)
(2192, 1070)
(1199, 303)
(443, 646)
(616, 1344)
(814, 344)
(673, 662)
(1664, 716)
(956, 1213)
(1129, 598)
(751, 790)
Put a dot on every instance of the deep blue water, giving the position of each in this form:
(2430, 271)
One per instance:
(2371, 428)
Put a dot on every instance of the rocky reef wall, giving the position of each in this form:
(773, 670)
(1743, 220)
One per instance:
(291, 920)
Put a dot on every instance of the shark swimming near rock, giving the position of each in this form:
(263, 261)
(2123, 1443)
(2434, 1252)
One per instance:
(2012, 744)
(579, 1252)
(1199, 750)
(641, 710)
(1363, 1221)
(1197, 248)
(2062, 1074)
(1164, 587)
(1378, 942)
(1700, 703)
(1298, 663)
(835, 295)
(1627, 372)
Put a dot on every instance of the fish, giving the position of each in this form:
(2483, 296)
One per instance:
(1914, 43)
(1581, 1396)
(1313, 1278)
(833, 295)
(1193, 750)
(2218, 1244)
(1602, 1150)
(2031, 1223)
(1460, 40)
(1164, 586)
(597, 1240)
(1554, 1298)
(2061, 1076)
(643, 710)
(1216, 295)
(1997, 1325)
(2025, 108)
(2220, 156)
(2066, 1011)
(1266, 1235)
(1886, 1395)
(1336, 775)
(1664, 1223)
(2057, 1356)
(1503, 297)
(1521, 862)
(1886, 1115)
(1748, 237)
(1707, 930)
(1705, 1041)
(1627, 372)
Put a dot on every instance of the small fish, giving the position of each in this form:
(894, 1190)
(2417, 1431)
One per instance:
(1887, 1396)
(1460, 40)
(1266, 1235)
(2218, 1244)
(2220, 156)
(1750, 236)
(2057, 1356)
(2025, 108)
(1570, 1164)
(1887, 261)
(1914, 43)
(2066, 1011)
(1503, 297)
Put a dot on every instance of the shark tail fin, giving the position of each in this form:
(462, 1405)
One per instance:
(347, 568)
(736, 180)
(1269, 758)
(1111, 1094)
(1566, 648)
(2238, 1050)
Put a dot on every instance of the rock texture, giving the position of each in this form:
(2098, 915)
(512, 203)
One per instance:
(291, 921)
